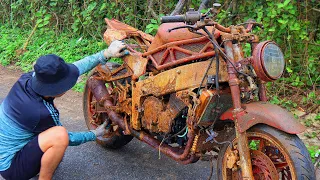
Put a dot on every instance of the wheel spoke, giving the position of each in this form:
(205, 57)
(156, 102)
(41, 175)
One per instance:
(268, 160)
(261, 145)
(280, 165)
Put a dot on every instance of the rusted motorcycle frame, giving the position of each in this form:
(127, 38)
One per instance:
(175, 61)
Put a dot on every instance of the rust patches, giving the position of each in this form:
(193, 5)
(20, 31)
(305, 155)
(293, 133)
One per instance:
(262, 92)
(180, 46)
(265, 113)
(166, 118)
(115, 74)
(174, 153)
(129, 30)
(146, 104)
(205, 98)
(137, 64)
(170, 81)
(232, 157)
(164, 37)
(177, 79)
(151, 115)
(267, 169)
(99, 91)
(158, 116)
(101, 94)
(244, 153)
(210, 108)
(119, 31)
(233, 79)
(179, 52)
(113, 34)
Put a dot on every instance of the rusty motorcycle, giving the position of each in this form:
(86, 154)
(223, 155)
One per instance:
(190, 92)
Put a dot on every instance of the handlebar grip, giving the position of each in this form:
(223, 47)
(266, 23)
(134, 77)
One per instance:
(177, 18)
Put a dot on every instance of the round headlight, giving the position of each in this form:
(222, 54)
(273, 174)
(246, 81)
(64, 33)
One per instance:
(268, 61)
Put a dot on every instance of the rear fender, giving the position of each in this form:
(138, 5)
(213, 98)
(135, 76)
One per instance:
(264, 113)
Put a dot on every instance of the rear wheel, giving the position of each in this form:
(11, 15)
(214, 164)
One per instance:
(274, 155)
(115, 138)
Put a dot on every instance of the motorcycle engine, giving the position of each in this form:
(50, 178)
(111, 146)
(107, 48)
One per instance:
(159, 114)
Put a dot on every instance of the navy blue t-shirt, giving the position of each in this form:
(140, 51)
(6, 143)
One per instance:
(29, 109)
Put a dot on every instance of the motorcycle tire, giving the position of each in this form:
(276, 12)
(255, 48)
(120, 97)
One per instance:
(277, 155)
(116, 141)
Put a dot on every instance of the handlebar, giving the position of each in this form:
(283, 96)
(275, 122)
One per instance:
(191, 17)
(177, 18)
(195, 20)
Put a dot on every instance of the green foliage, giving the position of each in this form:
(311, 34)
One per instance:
(294, 28)
(10, 41)
(292, 24)
(310, 135)
(152, 27)
(285, 102)
(254, 144)
(314, 152)
(79, 87)
(67, 47)
(82, 18)
(64, 45)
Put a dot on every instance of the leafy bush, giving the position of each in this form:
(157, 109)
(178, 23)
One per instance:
(64, 45)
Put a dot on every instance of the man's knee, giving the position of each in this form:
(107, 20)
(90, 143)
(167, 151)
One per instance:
(55, 136)
(61, 135)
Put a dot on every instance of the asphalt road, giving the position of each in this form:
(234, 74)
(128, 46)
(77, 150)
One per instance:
(90, 161)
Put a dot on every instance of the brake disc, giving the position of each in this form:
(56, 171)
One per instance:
(262, 166)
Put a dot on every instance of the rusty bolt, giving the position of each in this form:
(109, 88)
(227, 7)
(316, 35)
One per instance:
(234, 169)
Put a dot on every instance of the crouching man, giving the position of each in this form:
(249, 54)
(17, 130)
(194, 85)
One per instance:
(32, 138)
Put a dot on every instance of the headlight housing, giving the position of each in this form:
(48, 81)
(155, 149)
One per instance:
(268, 61)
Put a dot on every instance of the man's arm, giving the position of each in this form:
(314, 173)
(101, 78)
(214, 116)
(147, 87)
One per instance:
(86, 64)
(116, 49)
(77, 138)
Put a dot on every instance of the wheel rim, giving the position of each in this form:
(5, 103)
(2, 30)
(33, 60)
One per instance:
(270, 159)
(95, 118)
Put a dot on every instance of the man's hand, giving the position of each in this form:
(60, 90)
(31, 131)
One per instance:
(101, 130)
(116, 49)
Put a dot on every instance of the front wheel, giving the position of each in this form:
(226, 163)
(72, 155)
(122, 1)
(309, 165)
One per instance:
(274, 155)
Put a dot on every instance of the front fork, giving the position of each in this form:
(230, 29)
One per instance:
(233, 51)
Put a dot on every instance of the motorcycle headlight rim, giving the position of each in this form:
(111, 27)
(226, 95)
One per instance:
(261, 61)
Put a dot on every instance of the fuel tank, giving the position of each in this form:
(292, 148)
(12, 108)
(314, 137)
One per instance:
(180, 46)
(163, 36)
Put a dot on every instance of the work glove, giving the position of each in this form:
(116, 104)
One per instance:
(100, 130)
(116, 49)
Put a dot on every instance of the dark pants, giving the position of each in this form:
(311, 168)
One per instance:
(26, 163)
